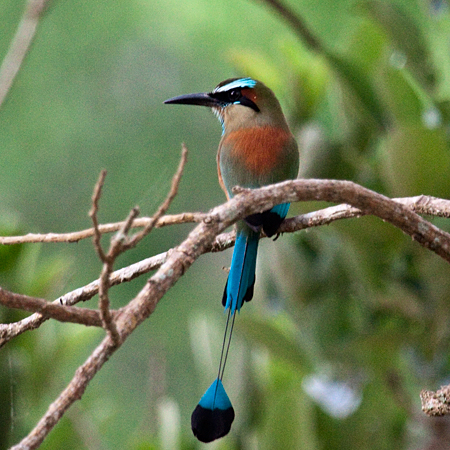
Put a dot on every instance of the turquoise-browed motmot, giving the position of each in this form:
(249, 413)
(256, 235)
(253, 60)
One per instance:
(256, 149)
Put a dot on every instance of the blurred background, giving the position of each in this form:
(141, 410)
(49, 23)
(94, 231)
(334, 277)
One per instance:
(349, 322)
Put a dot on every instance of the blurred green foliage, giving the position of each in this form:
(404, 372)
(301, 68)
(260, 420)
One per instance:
(349, 322)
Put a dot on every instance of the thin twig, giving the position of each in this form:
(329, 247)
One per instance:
(82, 294)
(76, 236)
(20, 45)
(107, 259)
(115, 249)
(165, 205)
(93, 214)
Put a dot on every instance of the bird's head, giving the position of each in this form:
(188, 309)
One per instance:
(239, 102)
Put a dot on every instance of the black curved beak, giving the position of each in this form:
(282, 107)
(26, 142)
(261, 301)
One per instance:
(202, 99)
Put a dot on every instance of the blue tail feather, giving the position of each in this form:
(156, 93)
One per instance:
(214, 414)
(241, 278)
(281, 209)
(215, 397)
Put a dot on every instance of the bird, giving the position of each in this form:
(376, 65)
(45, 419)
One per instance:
(257, 149)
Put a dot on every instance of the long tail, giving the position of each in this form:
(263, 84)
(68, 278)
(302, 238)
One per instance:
(241, 279)
(214, 414)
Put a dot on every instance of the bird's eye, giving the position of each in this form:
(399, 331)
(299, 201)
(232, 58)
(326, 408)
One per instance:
(234, 95)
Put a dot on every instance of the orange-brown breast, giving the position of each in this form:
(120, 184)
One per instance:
(259, 148)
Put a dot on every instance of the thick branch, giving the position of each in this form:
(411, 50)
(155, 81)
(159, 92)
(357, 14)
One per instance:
(436, 403)
(59, 312)
(364, 200)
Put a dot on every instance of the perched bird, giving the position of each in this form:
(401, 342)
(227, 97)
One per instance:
(256, 149)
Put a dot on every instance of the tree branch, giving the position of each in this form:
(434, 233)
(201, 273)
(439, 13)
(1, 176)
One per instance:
(76, 236)
(107, 259)
(71, 393)
(56, 311)
(422, 204)
(93, 215)
(364, 200)
(436, 403)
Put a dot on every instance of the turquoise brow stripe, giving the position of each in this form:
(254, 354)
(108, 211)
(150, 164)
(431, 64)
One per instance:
(241, 83)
